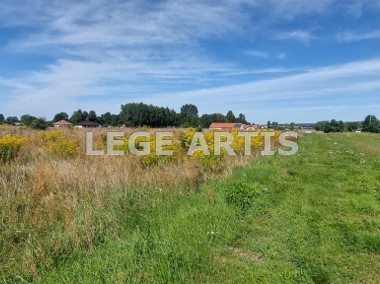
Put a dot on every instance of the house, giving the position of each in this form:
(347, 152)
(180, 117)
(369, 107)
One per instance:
(62, 124)
(226, 125)
(87, 124)
(255, 127)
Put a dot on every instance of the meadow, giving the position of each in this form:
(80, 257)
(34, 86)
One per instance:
(313, 217)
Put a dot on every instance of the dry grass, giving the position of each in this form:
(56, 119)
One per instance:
(52, 204)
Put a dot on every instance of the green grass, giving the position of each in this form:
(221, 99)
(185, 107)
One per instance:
(309, 218)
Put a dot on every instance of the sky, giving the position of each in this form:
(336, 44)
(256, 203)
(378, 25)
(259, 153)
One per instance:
(278, 60)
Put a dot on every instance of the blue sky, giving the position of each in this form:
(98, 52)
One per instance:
(279, 60)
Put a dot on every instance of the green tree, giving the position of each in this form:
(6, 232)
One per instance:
(371, 124)
(91, 116)
(320, 125)
(334, 126)
(115, 120)
(60, 116)
(230, 117)
(139, 114)
(105, 118)
(353, 125)
(206, 119)
(1, 118)
(39, 124)
(241, 119)
(189, 115)
(11, 120)
(292, 126)
(78, 116)
(272, 124)
(341, 126)
(27, 119)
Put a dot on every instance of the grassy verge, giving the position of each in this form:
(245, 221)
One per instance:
(310, 218)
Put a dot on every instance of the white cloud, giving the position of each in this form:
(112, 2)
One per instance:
(282, 56)
(350, 36)
(355, 9)
(358, 81)
(298, 35)
(257, 53)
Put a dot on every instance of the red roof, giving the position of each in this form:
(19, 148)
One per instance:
(256, 126)
(222, 125)
(62, 122)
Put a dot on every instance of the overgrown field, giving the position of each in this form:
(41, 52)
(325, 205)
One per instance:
(309, 218)
(55, 200)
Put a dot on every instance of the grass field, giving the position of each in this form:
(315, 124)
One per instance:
(309, 218)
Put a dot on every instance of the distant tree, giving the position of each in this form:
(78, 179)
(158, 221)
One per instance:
(105, 118)
(189, 115)
(11, 120)
(78, 116)
(206, 119)
(61, 116)
(27, 119)
(1, 118)
(371, 124)
(139, 114)
(292, 126)
(91, 116)
(230, 117)
(353, 125)
(85, 115)
(334, 126)
(132, 114)
(272, 124)
(109, 119)
(341, 126)
(115, 120)
(39, 124)
(241, 119)
(320, 125)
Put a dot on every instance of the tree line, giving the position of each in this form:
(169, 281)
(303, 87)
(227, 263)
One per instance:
(370, 124)
(140, 114)
(133, 115)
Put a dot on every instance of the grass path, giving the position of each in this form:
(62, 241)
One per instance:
(310, 218)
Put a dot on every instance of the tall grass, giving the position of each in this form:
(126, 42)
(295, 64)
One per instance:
(310, 218)
(54, 199)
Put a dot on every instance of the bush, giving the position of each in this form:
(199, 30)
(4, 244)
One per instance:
(9, 147)
(371, 124)
(242, 194)
(58, 145)
(63, 148)
(39, 124)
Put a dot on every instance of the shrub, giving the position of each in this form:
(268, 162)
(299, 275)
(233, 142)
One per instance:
(9, 147)
(39, 124)
(58, 145)
(242, 194)
(155, 160)
(50, 136)
(63, 148)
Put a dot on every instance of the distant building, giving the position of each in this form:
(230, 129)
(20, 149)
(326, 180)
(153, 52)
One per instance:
(62, 124)
(87, 124)
(228, 126)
